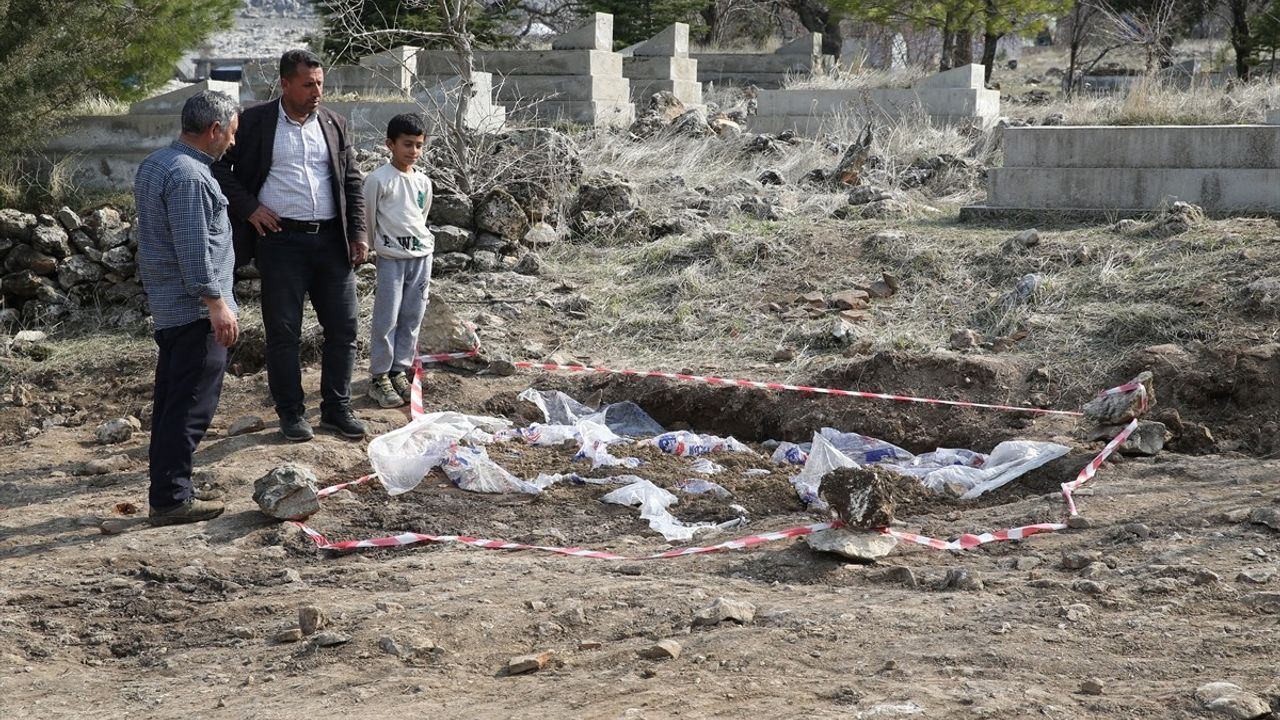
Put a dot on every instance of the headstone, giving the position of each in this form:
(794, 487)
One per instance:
(595, 35)
(171, 103)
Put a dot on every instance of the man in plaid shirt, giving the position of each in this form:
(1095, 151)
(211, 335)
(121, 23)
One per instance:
(185, 259)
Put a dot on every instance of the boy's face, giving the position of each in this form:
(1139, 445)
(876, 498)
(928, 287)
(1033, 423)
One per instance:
(405, 150)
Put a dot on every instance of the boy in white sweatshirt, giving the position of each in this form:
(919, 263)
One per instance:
(397, 198)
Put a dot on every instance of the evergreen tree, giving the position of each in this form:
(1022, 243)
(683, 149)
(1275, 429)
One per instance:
(54, 53)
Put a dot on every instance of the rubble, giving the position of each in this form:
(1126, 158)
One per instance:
(288, 492)
(724, 609)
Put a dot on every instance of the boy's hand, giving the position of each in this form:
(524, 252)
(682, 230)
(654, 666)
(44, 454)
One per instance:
(359, 253)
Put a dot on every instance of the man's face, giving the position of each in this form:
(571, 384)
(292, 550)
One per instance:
(223, 138)
(302, 91)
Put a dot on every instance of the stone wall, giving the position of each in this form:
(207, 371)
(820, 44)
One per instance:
(57, 264)
(801, 58)
(956, 96)
(1225, 169)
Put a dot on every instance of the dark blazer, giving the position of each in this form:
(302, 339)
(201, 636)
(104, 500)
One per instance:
(243, 171)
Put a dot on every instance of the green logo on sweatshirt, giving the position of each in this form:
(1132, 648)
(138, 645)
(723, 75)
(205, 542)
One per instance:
(422, 199)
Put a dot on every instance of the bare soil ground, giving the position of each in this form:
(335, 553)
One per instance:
(176, 622)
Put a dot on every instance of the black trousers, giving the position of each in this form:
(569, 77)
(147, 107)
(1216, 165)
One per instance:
(188, 382)
(294, 265)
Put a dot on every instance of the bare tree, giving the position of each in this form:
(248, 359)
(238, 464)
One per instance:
(1150, 28)
(454, 17)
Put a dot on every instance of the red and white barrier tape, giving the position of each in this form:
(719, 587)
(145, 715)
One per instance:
(416, 408)
(711, 380)
(967, 541)
(964, 542)
(1088, 471)
(326, 492)
(414, 538)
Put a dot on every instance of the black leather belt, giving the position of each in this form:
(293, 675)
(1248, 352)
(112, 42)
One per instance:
(307, 227)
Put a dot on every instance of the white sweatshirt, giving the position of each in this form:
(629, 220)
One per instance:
(396, 205)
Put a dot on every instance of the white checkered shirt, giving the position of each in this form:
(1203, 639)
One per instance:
(299, 185)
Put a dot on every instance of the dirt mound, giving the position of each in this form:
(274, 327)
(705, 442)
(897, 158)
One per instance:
(1216, 399)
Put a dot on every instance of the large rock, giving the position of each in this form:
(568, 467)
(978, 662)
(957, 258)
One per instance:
(82, 243)
(1229, 700)
(25, 284)
(453, 210)
(606, 196)
(666, 106)
(862, 546)
(692, 124)
(119, 259)
(1148, 439)
(68, 219)
(500, 214)
(1120, 408)
(25, 257)
(107, 228)
(724, 609)
(117, 431)
(540, 235)
(288, 492)
(50, 239)
(535, 199)
(443, 331)
(77, 270)
(16, 225)
(451, 238)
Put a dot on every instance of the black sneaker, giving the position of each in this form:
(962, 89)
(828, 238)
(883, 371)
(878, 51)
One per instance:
(344, 421)
(400, 381)
(296, 428)
(191, 511)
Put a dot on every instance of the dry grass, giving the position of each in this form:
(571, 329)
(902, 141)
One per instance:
(699, 300)
(840, 78)
(1160, 103)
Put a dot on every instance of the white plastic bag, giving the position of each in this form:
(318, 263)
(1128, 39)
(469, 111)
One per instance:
(402, 457)
(822, 459)
(862, 449)
(596, 439)
(788, 453)
(471, 469)
(653, 502)
(541, 435)
(557, 408)
(706, 466)
(686, 444)
(701, 487)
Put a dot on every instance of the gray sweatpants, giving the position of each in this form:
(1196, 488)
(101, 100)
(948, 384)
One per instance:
(398, 305)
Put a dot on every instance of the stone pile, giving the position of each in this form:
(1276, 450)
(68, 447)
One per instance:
(55, 265)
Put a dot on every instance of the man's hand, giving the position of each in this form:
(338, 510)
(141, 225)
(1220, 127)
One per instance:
(225, 328)
(264, 220)
(359, 253)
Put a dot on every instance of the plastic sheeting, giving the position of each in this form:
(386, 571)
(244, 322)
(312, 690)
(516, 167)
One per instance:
(653, 502)
(402, 457)
(625, 418)
(964, 473)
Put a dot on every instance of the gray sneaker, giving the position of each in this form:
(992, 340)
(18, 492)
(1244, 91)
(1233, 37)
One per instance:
(400, 381)
(383, 392)
(191, 511)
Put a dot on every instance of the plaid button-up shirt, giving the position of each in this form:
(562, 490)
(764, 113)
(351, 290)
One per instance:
(184, 235)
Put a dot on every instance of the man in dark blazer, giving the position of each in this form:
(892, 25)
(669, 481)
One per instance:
(297, 205)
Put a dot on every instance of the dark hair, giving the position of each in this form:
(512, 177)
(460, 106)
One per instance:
(205, 108)
(405, 124)
(291, 59)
